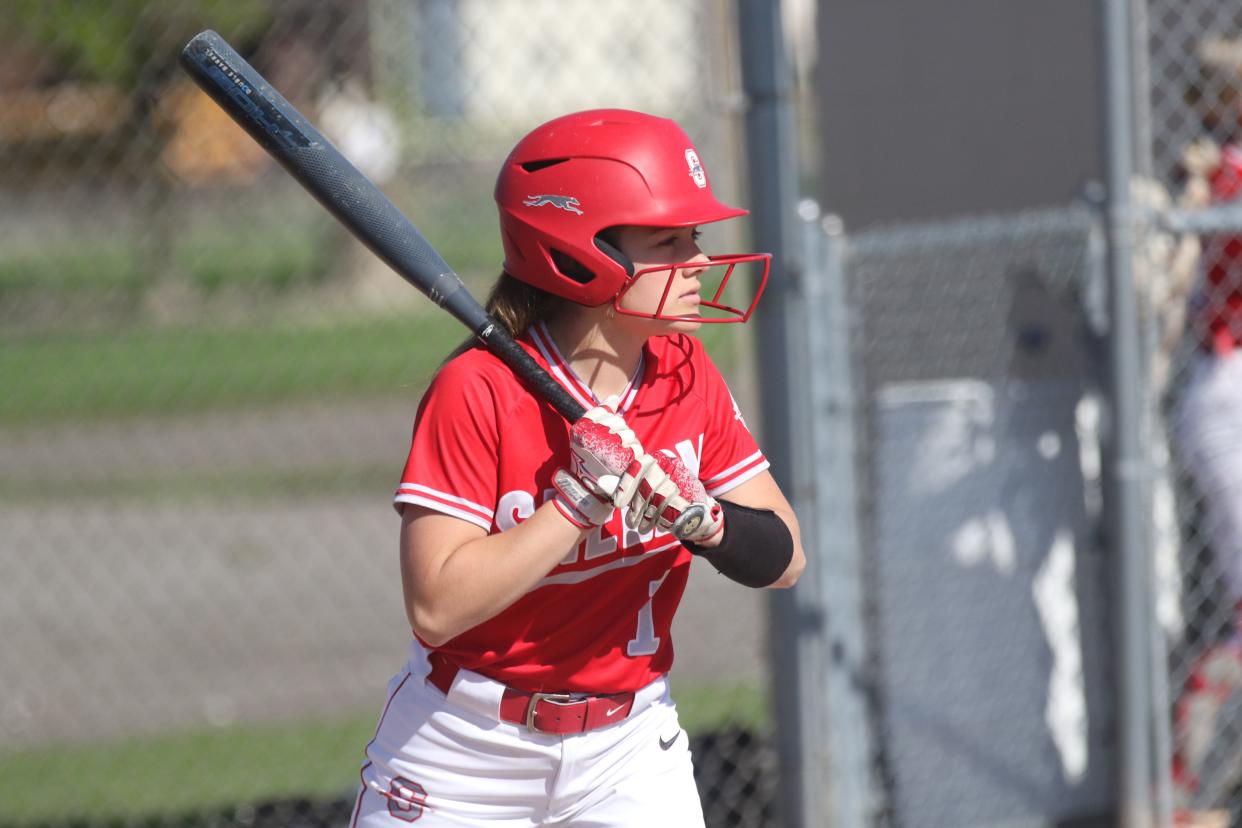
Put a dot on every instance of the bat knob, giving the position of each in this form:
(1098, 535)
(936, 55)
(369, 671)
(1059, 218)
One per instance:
(689, 521)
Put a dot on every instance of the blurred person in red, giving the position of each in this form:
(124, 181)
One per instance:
(1207, 436)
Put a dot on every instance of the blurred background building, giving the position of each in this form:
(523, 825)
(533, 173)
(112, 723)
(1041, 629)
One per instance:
(932, 110)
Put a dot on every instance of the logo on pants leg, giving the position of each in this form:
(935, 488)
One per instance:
(406, 799)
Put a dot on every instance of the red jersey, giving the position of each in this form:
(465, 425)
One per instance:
(485, 449)
(1221, 320)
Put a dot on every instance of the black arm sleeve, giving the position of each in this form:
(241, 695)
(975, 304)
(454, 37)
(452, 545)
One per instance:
(756, 549)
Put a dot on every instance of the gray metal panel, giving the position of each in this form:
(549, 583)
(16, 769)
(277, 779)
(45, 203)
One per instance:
(989, 614)
(981, 517)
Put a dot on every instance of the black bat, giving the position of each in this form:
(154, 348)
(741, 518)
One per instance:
(354, 200)
(357, 203)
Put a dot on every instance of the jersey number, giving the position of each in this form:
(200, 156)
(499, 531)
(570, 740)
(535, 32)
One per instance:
(645, 642)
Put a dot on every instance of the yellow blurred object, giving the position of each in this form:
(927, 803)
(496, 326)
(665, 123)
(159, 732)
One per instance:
(67, 110)
(205, 146)
(1201, 819)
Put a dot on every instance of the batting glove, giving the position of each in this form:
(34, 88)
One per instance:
(644, 493)
(603, 449)
(578, 504)
(659, 492)
(691, 514)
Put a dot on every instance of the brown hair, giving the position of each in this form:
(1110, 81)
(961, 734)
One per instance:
(516, 305)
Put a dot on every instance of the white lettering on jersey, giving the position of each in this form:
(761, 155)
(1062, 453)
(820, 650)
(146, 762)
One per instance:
(635, 538)
(737, 412)
(645, 641)
(513, 508)
(597, 543)
(687, 454)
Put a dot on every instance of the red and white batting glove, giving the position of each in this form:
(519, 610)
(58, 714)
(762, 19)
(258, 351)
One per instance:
(603, 448)
(691, 514)
(668, 496)
(644, 493)
(577, 503)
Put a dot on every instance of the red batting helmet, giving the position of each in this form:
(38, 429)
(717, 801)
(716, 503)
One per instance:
(581, 174)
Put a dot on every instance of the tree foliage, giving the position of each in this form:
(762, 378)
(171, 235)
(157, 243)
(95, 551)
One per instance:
(121, 41)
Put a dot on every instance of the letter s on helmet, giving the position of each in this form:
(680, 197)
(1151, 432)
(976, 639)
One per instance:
(581, 174)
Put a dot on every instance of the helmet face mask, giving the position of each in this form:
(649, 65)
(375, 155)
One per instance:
(718, 302)
(574, 178)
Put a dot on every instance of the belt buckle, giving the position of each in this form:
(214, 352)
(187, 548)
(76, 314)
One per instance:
(535, 698)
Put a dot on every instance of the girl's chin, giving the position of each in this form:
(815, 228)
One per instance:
(685, 325)
(661, 326)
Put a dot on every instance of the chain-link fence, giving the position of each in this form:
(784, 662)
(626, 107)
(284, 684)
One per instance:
(1190, 278)
(209, 387)
(978, 379)
(985, 360)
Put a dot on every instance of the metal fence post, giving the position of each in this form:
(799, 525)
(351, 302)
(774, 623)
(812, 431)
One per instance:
(827, 489)
(772, 178)
(1125, 469)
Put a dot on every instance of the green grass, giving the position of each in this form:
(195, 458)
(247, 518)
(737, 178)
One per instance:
(275, 260)
(702, 707)
(210, 769)
(190, 771)
(163, 372)
(106, 265)
(247, 486)
(110, 375)
(266, 243)
(250, 250)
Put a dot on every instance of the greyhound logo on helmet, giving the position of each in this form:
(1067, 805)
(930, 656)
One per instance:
(696, 168)
(566, 203)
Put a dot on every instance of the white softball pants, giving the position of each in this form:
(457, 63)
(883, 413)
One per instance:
(449, 761)
(1207, 429)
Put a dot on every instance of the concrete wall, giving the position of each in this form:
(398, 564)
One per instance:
(933, 109)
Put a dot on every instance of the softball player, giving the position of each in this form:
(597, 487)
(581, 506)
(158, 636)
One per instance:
(1207, 432)
(540, 575)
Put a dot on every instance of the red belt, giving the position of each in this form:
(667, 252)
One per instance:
(544, 712)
